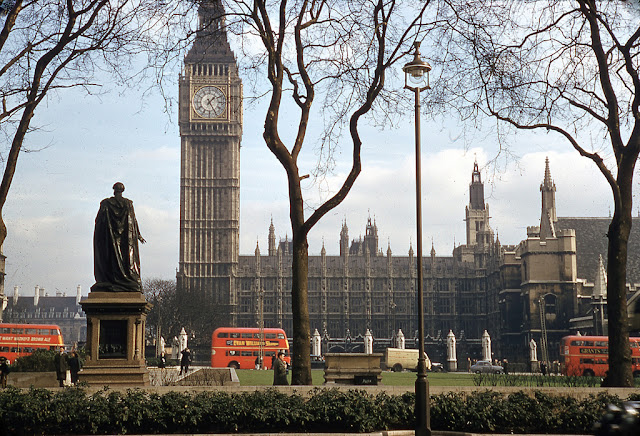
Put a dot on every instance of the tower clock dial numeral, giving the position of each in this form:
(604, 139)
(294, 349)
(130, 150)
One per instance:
(209, 102)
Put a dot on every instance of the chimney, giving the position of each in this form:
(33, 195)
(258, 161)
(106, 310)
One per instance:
(16, 293)
(36, 298)
(78, 294)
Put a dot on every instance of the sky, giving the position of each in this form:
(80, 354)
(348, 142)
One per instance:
(84, 144)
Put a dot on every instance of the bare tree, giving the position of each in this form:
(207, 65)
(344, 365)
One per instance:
(330, 59)
(47, 46)
(164, 318)
(567, 67)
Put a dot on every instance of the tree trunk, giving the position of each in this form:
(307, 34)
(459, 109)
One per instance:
(619, 229)
(300, 308)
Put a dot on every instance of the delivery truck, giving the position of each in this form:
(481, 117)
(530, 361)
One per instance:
(398, 359)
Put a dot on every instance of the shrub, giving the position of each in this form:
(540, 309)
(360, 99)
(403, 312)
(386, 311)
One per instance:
(40, 360)
(72, 411)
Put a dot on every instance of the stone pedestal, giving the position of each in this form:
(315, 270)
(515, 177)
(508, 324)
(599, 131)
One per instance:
(353, 368)
(115, 339)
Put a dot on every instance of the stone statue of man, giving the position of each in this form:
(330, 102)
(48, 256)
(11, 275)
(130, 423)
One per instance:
(116, 259)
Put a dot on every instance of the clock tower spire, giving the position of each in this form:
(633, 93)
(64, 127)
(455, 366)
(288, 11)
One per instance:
(210, 120)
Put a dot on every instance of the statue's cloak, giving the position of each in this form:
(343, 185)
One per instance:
(116, 259)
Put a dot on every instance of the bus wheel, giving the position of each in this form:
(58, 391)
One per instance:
(234, 365)
(397, 368)
(588, 373)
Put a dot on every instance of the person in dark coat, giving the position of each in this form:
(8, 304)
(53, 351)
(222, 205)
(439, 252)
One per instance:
(162, 362)
(280, 371)
(4, 371)
(61, 364)
(74, 367)
(185, 361)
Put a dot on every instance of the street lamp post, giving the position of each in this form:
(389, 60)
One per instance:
(417, 72)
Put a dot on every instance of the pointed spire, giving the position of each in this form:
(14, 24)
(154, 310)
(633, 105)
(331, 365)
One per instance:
(548, 217)
(210, 44)
(257, 252)
(433, 249)
(600, 285)
(547, 174)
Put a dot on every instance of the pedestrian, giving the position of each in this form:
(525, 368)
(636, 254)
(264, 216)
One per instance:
(505, 366)
(74, 367)
(185, 361)
(543, 368)
(258, 362)
(60, 362)
(469, 364)
(4, 371)
(162, 361)
(280, 371)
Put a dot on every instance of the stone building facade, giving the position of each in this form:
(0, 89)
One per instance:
(41, 308)
(541, 288)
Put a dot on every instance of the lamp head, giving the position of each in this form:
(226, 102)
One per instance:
(416, 69)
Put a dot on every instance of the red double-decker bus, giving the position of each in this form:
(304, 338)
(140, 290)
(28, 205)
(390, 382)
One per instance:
(17, 340)
(239, 347)
(589, 355)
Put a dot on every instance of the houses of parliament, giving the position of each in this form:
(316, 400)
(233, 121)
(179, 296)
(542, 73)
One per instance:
(551, 283)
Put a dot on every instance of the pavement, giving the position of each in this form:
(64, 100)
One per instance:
(380, 433)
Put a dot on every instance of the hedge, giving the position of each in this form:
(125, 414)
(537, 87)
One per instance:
(73, 411)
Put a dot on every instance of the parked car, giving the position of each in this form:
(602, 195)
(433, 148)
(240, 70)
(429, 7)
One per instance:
(486, 367)
(437, 367)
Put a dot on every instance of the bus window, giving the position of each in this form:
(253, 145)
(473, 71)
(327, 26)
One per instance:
(234, 335)
(31, 331)
(269, 353)
(15, 349)
(257, 335)
(4, 349)
(223, 335)
(247, 335)
(6, 330)
(17, 331)
(232, 353)
(601, 344)
(270, 335)
(246, 353)
(280, 336)
(589, 361)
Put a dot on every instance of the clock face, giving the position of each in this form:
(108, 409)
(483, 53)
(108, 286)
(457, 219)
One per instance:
(209, 102)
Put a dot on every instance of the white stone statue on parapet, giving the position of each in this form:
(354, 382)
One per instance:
(400, 339)
(316, 343)
(486, 346)
(183, 340)
(533, 351)
(368, 342)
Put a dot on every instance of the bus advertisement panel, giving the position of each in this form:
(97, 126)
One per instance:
(589, 355)
(17, 340)
(244, 347)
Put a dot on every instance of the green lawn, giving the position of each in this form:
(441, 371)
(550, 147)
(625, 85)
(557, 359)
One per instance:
(250, 377)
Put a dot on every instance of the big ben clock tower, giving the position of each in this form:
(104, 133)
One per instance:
(210, 119)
